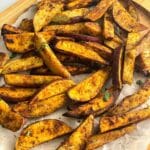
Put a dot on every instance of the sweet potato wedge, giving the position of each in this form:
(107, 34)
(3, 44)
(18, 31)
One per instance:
(89, 87)
(99, 140)
(78, 138)
(41, 108)
(12, 94)
(108, 26)
(40, 132)
(24, 80)
(143, 60)
(3, 58)
(129, 57)
(90, 28)
(80, 51)
(133, 10)
(100, 9)
(117, 67)
(22, 64)
(52, 89)
(102, 50)
(68, 15)
(74, 69)
(49, 57)
(132, 101)
(26, 25)
(9, 29)
(45, 15)
(125, 20)
(78, 4)
(117, 121)
(8, 118)
(113, 43)
(23, 42)
(96, 106)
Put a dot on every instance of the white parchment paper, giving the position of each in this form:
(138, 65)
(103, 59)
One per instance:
(137, 140)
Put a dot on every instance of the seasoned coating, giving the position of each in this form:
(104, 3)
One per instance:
(79, 50)
(13, 94)
(49, 57)
(125, 20)
(99, 140)
(89, 87)
(78, 138)
(108, 26)
(44, 15)
(24, 80)
(40, 132)
(129, 57)
(100, 9)
(91, 28)
(3, 58)
(52, 89)
(102, 50)
(117, 121)
(69, 15)
(22, 64)
(41, 108)
(8, 118)
(9, 29)
(26, 25)
(132, 101)
(96, 106)
(23, 42)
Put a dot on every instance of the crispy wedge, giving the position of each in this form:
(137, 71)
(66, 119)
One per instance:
(74, 69)
(102, 50)
(52, 89)
(78, 138)
(117, 121)
(8, 118)
(24, 80)
(125, 20)
(143, 60)
(108, 26)
(69, 15)
(99, 140)
(3, 58)
(23, 42)
(45, 15)
(113, 43)
(133, 10)
(117, 67)
(41, 108)
(89, 87)
(132, 101)
(129, 57)
(100, 9)
(26, 25)
(9, 29)
(96, 106)
(78, 4)
(90, 28)
(22, 64)
(40, 132)
(13, 94)
(80, 51)
(49, 57)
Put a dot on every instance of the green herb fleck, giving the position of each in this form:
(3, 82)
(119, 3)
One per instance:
(13, 55)
(43, 46)
(103, 90)
(28, 133)
(106, 96)
(139, 82)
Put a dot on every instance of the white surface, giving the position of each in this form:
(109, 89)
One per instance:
(5, 4)
(138, 140)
